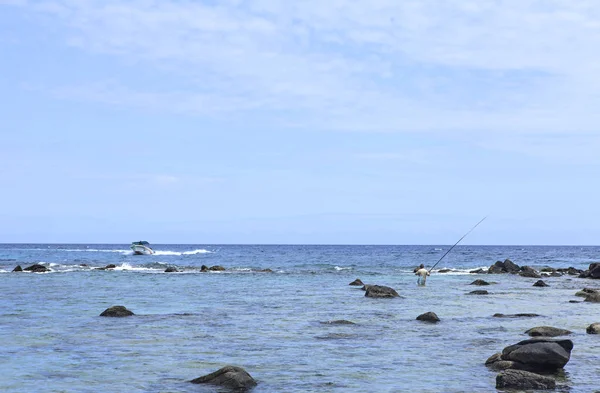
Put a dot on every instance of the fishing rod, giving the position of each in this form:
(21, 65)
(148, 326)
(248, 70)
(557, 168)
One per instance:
(457, 243)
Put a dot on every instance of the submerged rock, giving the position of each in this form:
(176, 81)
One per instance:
(594, 328)
(478, 292)
(116, 311)
(547, 331)
(231, 377)
(585, 292)
(356, 282)
(593, 298)
(171, 269)
(540, 283)
(338, 322)
(37, 268)
(521, 315)
(107, 267)
(380, 291)
(429, 316)
(480, 282)
(519, 379)
(216, 268)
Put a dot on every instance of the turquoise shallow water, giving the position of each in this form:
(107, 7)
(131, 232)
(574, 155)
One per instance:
(190, 323)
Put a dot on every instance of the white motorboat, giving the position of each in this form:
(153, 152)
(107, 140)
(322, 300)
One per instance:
(141, 248)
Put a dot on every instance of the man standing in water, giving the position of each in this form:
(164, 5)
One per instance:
(422, 273)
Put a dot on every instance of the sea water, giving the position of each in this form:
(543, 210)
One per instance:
(274, 323)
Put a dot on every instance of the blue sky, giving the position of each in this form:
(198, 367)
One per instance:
(271, 121)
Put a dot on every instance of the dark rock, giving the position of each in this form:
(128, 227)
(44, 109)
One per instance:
(18, 269)
(203, 268)
(116, 311)
(171, 269)
(540, 283)
(444, 270)
(574, 301)
(519, 379)
(107, 267)
(231, 377)
(594, 328)
(521, 315)
(480, 282)
(339, 322)
(428, 317)
(539, 354)
(356, 282)
(37, 268)
(593, 298)
(548, 270)
(495, 362)
(592, 272)
(380, 291)
(547, 331)
(216, 268)
(265, 271)
(478, 292)
(504, 267)
(570, 271)
(527, 271)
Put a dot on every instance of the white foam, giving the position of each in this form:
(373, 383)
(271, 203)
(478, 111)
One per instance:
(176, 253)
(338, 268)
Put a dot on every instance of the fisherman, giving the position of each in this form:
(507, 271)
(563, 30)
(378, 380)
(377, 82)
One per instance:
(422, 273)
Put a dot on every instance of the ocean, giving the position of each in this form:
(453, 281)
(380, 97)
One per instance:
(274, 323)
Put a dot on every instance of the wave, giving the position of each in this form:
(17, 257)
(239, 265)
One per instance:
(178, 253)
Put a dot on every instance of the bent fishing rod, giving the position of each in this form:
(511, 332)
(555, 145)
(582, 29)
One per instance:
(456, 243)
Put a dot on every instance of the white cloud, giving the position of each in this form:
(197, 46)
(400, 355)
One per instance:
(512, 66)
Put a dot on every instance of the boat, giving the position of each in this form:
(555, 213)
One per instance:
(141, 248)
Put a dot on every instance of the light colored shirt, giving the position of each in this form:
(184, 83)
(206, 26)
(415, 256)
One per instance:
(422, 272)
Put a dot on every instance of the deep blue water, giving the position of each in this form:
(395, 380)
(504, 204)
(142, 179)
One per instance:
(189, 324)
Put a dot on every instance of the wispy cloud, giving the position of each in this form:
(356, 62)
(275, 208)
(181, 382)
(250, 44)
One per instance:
(381, 66)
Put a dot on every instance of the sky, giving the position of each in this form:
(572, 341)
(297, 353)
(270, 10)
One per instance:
(300, 122)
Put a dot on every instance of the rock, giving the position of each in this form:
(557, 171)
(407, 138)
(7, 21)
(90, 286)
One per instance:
(356, 282)
(444, 270)
(18, 269)
(539, 354)
(547, 331)
(265, 270)
(107, 267)
(380, 291)
(480, 282)
(527, 271)
(593, 271)
(574, 301)
(593, 298)
(540, 283)
(521, 315)
(504, 267)
(519, 379)
(428, 317)
(216, 268)
(171, 269)
(37, 268)
(585, 292)
(548, 270)
(231, 377)
(495, 362)
(339, 322)
(478, 292)
(570, 271)
(594, 328)
(116, 311)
